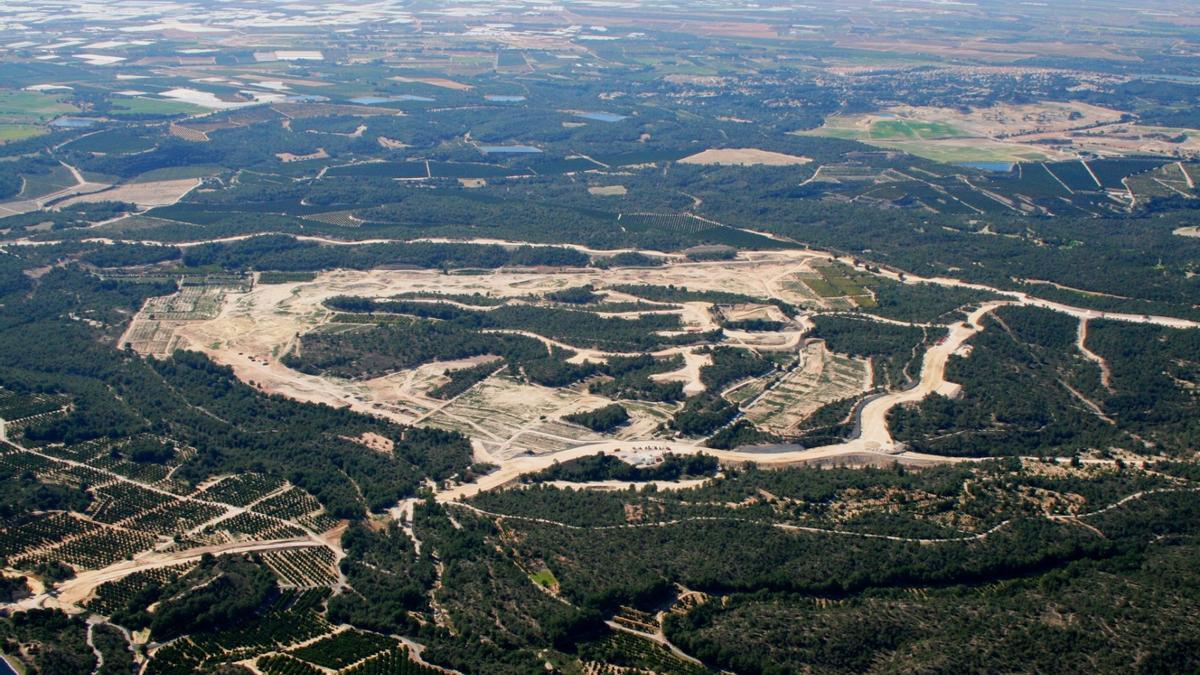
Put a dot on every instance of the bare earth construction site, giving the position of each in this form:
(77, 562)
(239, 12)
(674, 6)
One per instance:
(250, 329)
(518, 426)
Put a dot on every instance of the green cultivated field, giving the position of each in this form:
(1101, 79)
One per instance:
(136, 106)
(885, 130)
(17, 132)
(32, 106)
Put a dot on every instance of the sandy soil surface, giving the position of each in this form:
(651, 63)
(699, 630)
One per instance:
(511, 418)
(363, 242)
(1008, 120)
(744, 157)
(607, 190)
(820, 378)
(250, 331)
(319, 154)
(875, 434)
(374, 441)
(743, 312)
(998, 122)
(145, 195)
(616, 485)
(512, 469)
(1122, 140)
(1012, 130)
(689, 374)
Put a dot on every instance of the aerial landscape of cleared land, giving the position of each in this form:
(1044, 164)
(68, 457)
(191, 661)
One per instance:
(599, 338)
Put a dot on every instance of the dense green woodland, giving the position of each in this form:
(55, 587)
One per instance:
(193, 401)
(607, 467)
(62, 640)
(961, 628)
(603, 419)
(896, 601)
(1028, 390)
(578, 328)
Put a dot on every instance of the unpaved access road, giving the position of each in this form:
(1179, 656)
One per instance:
(82, 186)
(873, 418)
(850, 452)
(1081, 344)
(76, 590)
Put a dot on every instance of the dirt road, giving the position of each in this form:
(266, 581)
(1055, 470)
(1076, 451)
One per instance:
(851, 453)
(82, 186)
(76, 590)
(875, 434)
(1081, 344)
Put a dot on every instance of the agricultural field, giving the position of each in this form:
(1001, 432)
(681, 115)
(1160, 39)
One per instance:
(33, 106)
(820, 378)
(1002, 133)
(146, 194)
(138, 106)
(155, 331)
(19, 132)
(840, 286)
(113, 141)
(1168, 180)
(140, 535)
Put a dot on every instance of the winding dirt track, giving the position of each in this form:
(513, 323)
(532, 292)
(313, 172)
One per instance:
(875, 434)
(748, 521)
(979, 536)
(850, 452)
(1081, 344)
